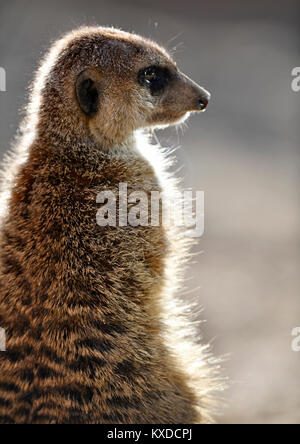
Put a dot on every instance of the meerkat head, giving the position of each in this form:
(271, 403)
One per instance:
(108, 83)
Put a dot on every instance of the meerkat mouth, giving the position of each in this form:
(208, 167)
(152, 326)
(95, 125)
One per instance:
(181, 118)
(172, 120)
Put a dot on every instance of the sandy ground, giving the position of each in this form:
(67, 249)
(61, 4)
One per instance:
(244, 153)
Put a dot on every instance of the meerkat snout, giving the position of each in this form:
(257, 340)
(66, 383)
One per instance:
(200, 97)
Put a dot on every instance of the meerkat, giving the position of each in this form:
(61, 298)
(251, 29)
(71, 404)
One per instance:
(93, 331)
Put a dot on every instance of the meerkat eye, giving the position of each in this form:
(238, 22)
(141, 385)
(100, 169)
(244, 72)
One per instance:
(150, 75)
(155, 78)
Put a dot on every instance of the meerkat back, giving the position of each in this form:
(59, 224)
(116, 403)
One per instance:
(82, 303)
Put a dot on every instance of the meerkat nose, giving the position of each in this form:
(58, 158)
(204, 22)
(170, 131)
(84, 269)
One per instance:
(203, 103)
(203, 100)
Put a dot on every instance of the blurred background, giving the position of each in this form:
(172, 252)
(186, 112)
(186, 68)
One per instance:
(244, 153)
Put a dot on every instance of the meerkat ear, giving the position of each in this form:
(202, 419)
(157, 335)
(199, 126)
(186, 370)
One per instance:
(87, 92)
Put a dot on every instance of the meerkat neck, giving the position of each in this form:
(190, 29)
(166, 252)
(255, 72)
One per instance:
(87, 149)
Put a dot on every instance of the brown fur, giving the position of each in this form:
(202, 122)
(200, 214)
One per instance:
(83, 306)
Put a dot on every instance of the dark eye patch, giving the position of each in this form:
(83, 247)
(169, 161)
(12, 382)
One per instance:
(155, 78)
